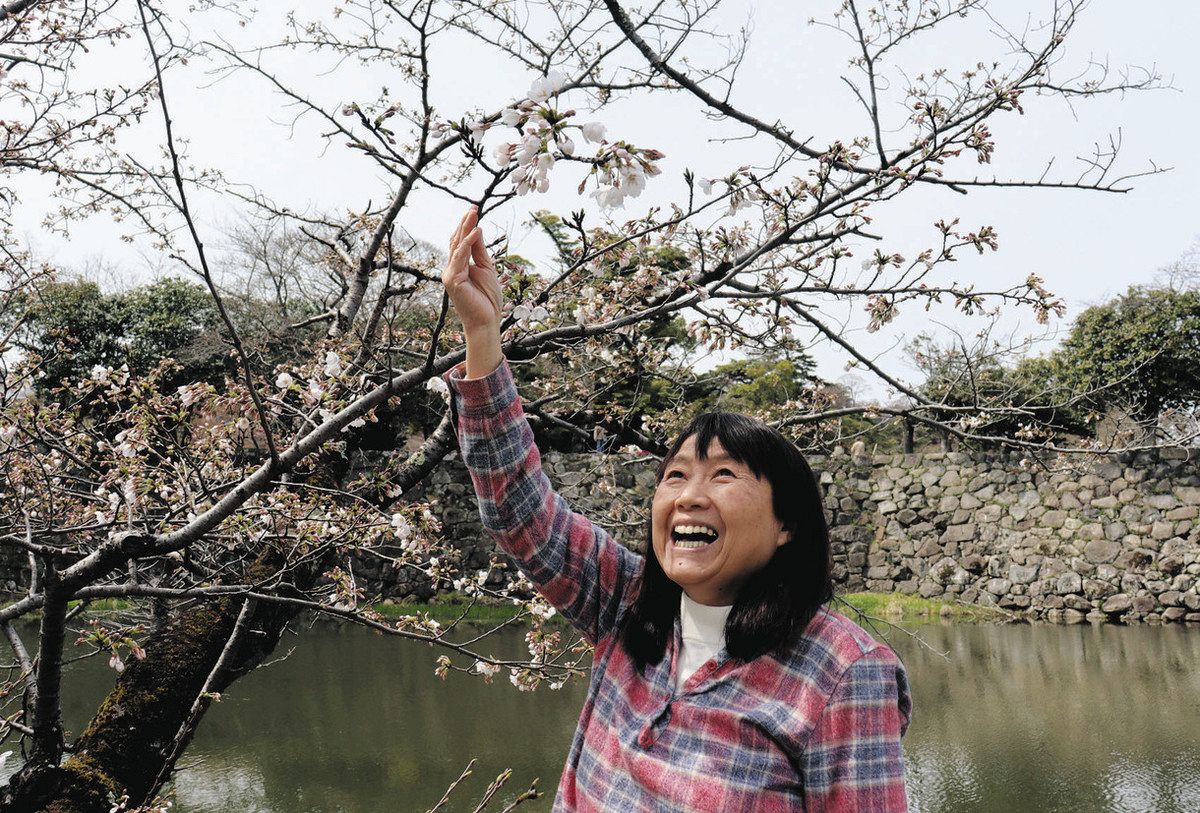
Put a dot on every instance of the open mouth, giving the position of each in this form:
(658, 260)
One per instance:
(691, 537)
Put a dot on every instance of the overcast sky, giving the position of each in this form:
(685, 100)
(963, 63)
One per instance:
(1087, 245)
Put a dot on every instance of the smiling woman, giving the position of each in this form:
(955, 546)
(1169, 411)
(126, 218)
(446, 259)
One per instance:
(754, 493)
(719, 681)
(713, 524)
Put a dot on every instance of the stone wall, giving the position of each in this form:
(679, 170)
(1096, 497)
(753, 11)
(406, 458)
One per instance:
(1106, 540)
(1102, 540)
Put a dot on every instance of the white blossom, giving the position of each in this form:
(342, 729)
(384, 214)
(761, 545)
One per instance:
(524, 682)
(126, 440)
(402, 527)
(284, 380)
(531, 145)
(511, 116)
(486, 669)
(609, 197)
(333, 364)
(188, 394)
(437, 385)
(705, 185)
(546, 86)
(593, 131)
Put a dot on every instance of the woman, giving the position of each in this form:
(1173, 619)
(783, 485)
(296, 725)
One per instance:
(719, 681)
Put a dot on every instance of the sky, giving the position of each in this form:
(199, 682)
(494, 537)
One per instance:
(1088, 246)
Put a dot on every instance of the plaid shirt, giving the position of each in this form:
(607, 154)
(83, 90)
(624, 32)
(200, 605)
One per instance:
(816, 729)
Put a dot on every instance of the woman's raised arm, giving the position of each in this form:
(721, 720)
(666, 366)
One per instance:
(575, 564)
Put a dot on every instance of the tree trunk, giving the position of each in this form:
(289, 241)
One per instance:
(126, 749)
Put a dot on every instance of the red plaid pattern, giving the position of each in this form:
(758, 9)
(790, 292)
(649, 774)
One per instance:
(815, 729)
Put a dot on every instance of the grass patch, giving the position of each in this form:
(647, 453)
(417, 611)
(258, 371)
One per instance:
(448, 607)
(909, 608)
(104, 606)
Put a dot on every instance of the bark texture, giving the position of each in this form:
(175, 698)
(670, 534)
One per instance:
(126, 747)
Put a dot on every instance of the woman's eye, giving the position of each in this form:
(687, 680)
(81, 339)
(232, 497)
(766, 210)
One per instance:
(725, 472)
(673, 474)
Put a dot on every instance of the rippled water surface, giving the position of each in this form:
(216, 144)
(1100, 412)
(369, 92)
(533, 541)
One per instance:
(1011, 718)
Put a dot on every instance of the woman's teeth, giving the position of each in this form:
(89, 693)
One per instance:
(692, 536)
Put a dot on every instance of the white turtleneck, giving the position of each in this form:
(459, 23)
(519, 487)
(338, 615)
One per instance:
(703, 633)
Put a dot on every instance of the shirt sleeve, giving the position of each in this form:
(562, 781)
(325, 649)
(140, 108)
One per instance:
(853, 761)
(580, 569)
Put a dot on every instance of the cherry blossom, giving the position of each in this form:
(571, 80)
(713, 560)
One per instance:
(333, 364)
(594, 132)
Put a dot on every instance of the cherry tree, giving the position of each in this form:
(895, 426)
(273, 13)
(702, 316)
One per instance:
(229, 510)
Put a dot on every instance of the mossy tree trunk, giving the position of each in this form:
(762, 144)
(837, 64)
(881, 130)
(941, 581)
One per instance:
(128, 748)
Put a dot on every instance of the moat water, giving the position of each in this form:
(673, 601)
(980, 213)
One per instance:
(1007, 718)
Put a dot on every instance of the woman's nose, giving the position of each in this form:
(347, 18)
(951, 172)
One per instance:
(692, 493)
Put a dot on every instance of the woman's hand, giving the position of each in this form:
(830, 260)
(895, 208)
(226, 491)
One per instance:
(474, 289)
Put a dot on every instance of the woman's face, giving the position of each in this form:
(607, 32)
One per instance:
(696, 498)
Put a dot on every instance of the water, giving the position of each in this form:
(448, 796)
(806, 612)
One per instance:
(1013, 718)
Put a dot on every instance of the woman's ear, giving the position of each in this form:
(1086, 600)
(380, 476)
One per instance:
(783, 537)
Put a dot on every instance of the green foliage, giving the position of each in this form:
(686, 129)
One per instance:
(74, 326)
(1026, 399)
(1137, 352)
(757, 384)
(172, 318)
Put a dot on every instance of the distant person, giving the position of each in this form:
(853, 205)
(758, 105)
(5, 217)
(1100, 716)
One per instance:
(720, 681)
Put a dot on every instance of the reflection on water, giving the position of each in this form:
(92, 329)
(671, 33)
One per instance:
(1055, 719)
(1018, 718)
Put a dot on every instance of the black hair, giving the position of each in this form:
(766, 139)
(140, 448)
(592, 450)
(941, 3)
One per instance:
(774, 605)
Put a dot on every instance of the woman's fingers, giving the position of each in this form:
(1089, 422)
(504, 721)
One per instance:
(468, 222)
(470, 276)
(456, 269)
(484, 271)
(479, 251)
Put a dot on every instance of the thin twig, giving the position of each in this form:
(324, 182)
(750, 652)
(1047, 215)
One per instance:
(182, 206)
